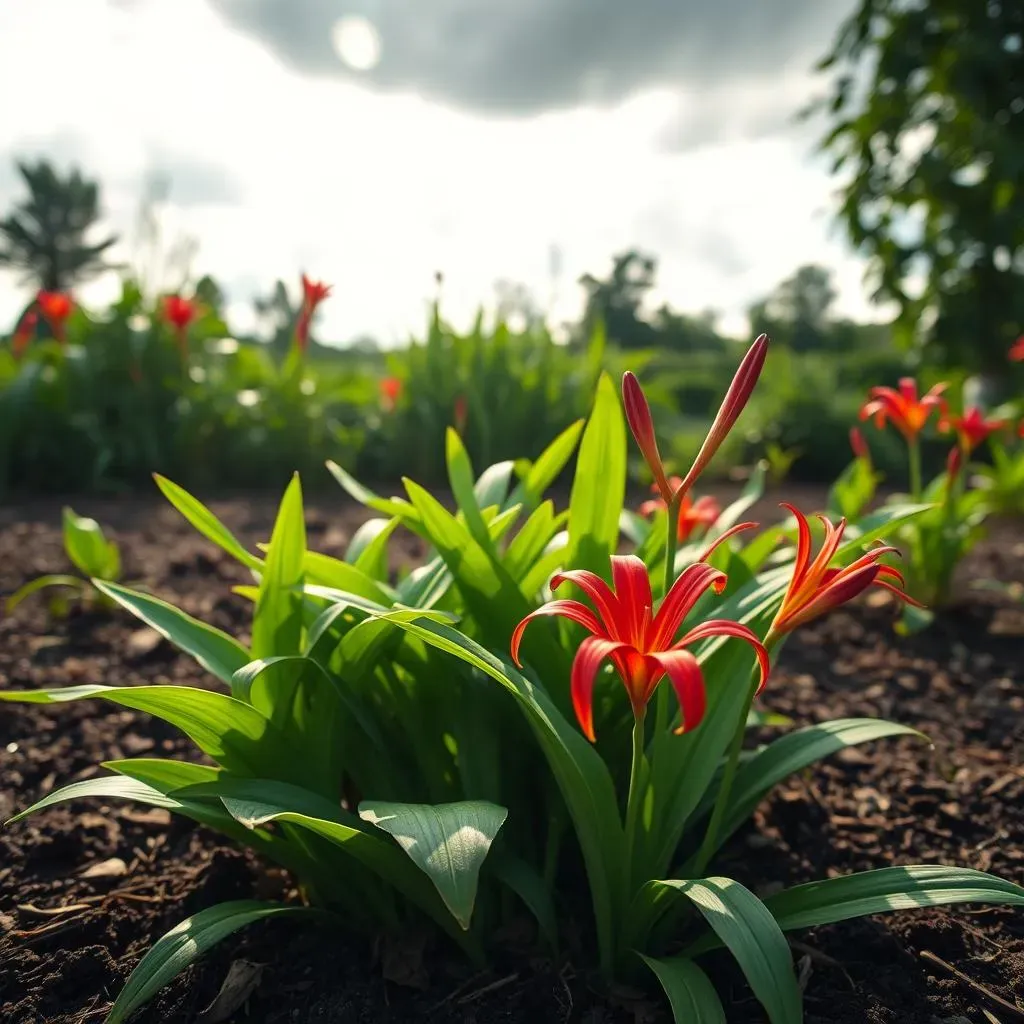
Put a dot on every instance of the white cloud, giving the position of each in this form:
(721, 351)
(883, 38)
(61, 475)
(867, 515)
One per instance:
(376, 192)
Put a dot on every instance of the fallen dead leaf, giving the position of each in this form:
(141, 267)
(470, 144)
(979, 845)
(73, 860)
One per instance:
(114, 867)
(239, 983)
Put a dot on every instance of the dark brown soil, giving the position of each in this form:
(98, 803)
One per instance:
(68, 940)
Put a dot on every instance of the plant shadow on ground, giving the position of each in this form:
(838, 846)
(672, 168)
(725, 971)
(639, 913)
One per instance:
(84, 890)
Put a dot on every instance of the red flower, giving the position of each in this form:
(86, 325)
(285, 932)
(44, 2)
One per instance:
(1016, 352)
(815, 588)
(313, 293)
(390, 392)
(461, 414)
(859, 445)
(693, 515)
(642, 647)
(908, 413)
(179, 312)
(56, 308)
(972, 428)
(24, 333)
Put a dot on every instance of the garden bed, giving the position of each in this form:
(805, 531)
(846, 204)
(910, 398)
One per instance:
(86, 888)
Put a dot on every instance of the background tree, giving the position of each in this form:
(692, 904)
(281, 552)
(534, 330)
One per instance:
(618, 299)
(927, 105)
(278, 315)
(798, 311)
(46, 236)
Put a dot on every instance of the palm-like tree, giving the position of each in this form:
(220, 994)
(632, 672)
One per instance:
(45, 236)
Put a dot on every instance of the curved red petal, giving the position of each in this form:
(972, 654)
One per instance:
(589, 656)
(726, 627)
(633, 589)
(606, 603)
(731, 532)
(688, 682)
(683, 595)
(574, 610)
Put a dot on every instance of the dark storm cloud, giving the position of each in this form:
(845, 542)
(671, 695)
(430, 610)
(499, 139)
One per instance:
(523, 56)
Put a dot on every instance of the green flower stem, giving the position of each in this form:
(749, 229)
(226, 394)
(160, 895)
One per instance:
(914, 465)
(636, 774)
(710, 843)
(661, 699)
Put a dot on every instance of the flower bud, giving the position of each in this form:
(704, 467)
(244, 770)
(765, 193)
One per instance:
(732, 405)
(859, 445)
(638, 416)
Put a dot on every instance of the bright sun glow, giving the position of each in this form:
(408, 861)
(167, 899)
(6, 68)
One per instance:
(357, 42)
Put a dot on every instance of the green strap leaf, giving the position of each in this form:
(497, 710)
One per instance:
(599, 486)
(277, 621)
(325, 571)
(447, 841)
(91, 552)
(206, 522)
(368, 549)
(186, 942)
(690, 993)
(888, 889)
(221, 655)
(460, 476)
(363, 495)
(233, 733)
(788, 754)
(492, 486)
(743, 924)
(581, 774)
(542, 474)
(41, 583)
(106, 785)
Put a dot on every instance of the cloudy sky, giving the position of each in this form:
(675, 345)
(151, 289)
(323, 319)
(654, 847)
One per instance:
(374, 142)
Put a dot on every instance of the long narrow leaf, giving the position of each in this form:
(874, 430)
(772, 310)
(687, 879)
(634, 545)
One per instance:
(220, 654)
(186, 942)
(690, 993)
(743, 924)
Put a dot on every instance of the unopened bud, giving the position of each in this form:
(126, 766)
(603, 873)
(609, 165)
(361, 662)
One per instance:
(641, 425)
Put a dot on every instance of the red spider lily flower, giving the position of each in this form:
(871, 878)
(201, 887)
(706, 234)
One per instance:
(972, 428)
(390, 392)
(815, 588)
(859, 445)
(24, 333)
(56, 308)
(313, 293)
(179, 312)
(694, 515)
(642, 646)
(1016, 352)
(461, 414)
(641, 425)
(908, 413)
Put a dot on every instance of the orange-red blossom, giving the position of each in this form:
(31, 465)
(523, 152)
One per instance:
(313, 293)
(179, 312)
(908, 413)
(56, 308)
(1016, 352)
(641, 644)
(694, 515)
(972, 428)
(816, 588)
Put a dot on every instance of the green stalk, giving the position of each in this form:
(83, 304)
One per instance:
(671, 545)
(708, 846)
(633, 800)
(914, 461)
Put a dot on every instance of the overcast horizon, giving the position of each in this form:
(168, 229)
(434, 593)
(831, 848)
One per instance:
(374, 143)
